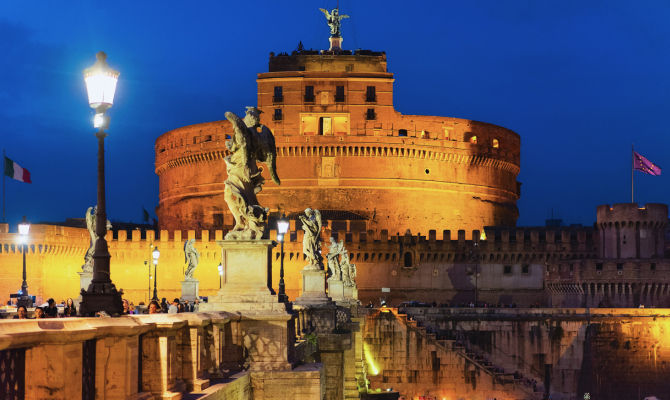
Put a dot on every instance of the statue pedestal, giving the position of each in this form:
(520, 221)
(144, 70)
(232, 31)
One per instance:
(350, 293)
(336, 289)
(266, 329)
(313, 288)
(85, 279)
(247, 277)
(335, 43)
(189, 290)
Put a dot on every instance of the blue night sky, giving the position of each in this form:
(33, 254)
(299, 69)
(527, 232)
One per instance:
(578, 81)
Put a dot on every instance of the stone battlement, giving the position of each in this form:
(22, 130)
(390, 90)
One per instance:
(631, 213)
(52, 237)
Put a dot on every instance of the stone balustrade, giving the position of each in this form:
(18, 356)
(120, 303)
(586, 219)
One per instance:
(132, 357)
(156, 356)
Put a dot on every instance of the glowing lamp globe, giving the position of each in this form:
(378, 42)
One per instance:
(220, 267)
(282, 225)
(24, 228)
(155, 254)
(100, 84)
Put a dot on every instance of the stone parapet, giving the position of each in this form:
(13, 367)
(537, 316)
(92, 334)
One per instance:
(150, 356)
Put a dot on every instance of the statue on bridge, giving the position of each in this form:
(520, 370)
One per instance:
(311, 242)
(191, 257)
(90, 225)
(251, 142)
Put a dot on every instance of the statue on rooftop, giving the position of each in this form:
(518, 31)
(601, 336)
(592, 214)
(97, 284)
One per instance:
(191, 257)
(334, 17)
(90, 225)
(311, 246)
(251, 142)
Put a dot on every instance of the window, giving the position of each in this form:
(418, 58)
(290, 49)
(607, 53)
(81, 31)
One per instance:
(599, 266)
(339, 94)
(653, 266)
(325, 126)
(619, 267)
(370, 114)
(278, 115)
(473, 139)
(309, 94)
(402, 132)
(310, 125)
(525, 269)
(507, 270)
(495, 144)
(341, 125)
(370, 94)
(279, 94)
(407, 260)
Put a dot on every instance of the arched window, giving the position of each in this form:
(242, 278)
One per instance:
(495, 143)
(407, 260)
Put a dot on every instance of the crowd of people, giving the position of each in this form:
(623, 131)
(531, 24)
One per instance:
(51, 309)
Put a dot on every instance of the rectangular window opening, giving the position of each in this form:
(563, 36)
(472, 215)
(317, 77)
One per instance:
(277, 115)
(309, 94)
(339, 94)
(370, 94)
(278, 94)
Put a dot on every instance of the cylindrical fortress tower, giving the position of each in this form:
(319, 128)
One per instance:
(343, 149)
(629, 231)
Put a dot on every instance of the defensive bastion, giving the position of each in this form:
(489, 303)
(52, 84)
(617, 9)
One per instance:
(342, 148)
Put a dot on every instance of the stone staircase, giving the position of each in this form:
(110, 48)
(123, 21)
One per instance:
(508, 380)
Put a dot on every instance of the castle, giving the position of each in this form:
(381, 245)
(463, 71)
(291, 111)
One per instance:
(342, 148)
(426, 205)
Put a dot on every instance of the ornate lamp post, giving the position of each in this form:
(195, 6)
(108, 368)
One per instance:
(155, 254)
(282, 228)
(24, 299)
(101, 294)
(220, 267)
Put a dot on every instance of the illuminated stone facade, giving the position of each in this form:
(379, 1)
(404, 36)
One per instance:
(342, 147)
(572, 266)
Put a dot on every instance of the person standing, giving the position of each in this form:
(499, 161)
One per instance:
(154, 307)
(51, 309)
(174, 307)
(21, 312)
(70, 310)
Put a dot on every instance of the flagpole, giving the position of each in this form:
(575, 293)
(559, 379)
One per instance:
(632, 172)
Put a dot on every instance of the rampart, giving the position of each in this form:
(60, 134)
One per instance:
(564, 353)
(412, 267)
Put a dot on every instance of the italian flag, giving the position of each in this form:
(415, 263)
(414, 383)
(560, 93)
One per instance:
(14, 170)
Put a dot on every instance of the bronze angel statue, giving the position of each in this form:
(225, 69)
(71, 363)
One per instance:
(251, 142)
(334, 19)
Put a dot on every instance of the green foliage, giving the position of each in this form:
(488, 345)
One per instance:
(311, 338)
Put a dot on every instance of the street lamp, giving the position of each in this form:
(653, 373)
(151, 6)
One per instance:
(220, 267)
(155, 254)
(101, 294)
(282, 228)
(24, 299)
